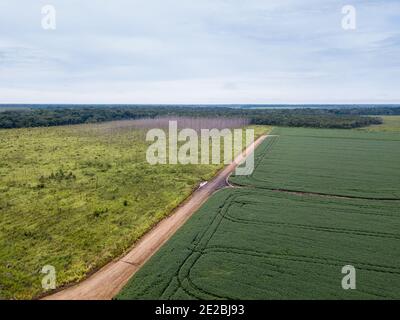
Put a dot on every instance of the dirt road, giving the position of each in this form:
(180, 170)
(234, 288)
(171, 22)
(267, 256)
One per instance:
(108, 281)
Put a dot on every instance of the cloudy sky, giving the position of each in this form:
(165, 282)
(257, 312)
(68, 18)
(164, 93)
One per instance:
(200, 51)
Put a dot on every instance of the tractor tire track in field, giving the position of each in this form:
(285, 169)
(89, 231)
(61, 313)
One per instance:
(326, 195)
(183, 272)
(195, 291)
(200, 245)
(303, 258)
(184, 281)
(278, 256)
(384, 235)
(201, 248)
(109, 280)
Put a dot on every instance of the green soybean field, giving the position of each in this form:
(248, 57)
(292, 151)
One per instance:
(333, 162)
(317, 201)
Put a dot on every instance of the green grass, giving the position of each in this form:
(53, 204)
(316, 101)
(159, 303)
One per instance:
(335, 162)
(390, 124)
(76, 197)
(255, 243)
(258, 244)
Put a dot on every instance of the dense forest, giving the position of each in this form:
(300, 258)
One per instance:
(297, 117)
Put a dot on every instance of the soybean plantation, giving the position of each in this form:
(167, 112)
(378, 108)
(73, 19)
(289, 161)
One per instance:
(317, 201)
(252, 244)
(333, 162)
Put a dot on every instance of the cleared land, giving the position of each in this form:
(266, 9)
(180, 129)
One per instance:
(77, 197)
(255, 243)
(390, 124)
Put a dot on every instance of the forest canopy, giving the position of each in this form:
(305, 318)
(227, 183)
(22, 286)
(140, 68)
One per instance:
(298, 117)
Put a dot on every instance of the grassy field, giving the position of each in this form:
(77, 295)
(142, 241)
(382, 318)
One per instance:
(390, 124)
(255, 243)
(335, 162)
(76, 197)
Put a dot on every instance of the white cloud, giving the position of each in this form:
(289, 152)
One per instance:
(209, 51)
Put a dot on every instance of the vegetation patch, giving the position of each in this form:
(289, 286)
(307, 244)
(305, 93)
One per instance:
(390, 124)
(75, 197)
(41, 116)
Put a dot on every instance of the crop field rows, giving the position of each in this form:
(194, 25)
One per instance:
(255, 243)
(293, 254)
(331, 162)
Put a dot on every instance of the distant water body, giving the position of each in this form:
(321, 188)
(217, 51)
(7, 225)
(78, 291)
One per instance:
(236, 106)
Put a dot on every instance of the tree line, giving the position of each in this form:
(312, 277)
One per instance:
(302, 117)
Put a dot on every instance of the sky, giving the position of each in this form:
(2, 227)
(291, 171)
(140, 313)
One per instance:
(200, 52)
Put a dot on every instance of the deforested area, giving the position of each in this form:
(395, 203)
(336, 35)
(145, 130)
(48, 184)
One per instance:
(76, 197)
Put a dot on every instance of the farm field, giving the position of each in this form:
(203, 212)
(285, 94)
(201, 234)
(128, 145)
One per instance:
(335, 162)
(288, 246)
(291, 245)
(75, 197)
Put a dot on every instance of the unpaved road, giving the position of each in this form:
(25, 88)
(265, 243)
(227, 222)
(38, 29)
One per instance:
(108, 281)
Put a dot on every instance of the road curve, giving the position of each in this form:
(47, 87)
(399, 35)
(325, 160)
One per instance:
(109, 280)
